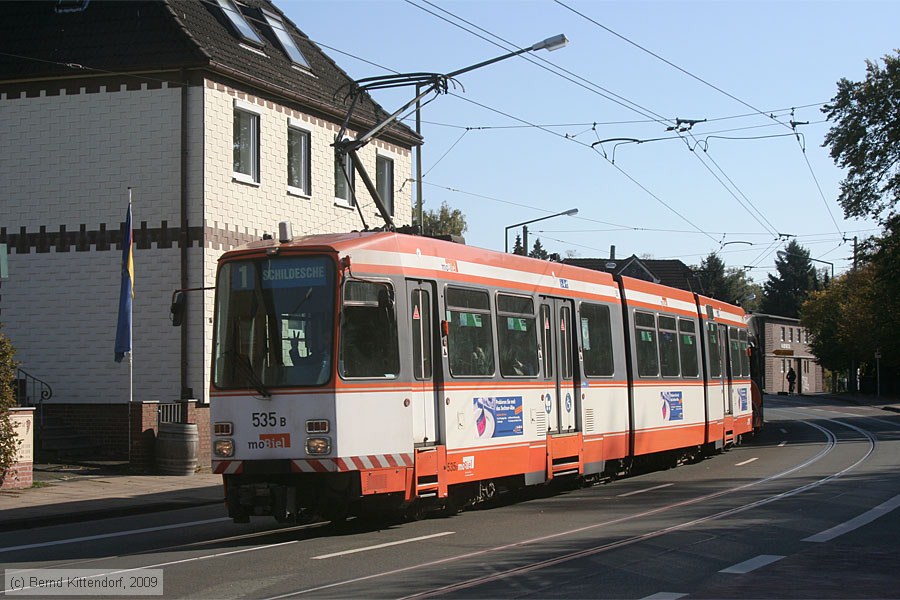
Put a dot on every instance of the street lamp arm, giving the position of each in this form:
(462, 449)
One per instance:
(566, 213)
(433, 82)
(425, 83)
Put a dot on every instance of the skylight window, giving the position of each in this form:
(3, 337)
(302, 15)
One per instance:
(285, 39)
(239, 22)
(67, 6)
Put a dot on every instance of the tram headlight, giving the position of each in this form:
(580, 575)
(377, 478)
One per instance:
(223, 448)
(318, 445)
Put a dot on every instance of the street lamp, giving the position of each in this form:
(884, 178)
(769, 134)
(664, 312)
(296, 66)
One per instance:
(784, 253)
(550, 44)
(524, 224)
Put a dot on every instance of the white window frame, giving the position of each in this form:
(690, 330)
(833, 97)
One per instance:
(306, 175)
(390, 205)
(348, 164)
(252, 178)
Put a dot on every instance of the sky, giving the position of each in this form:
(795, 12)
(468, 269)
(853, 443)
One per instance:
(524, 138)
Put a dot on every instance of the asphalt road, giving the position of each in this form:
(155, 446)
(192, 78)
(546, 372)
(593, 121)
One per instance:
(806, 511)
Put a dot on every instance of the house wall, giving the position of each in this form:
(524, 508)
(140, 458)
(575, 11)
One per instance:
(796, 353)
(68, 157)
(237, 212)
(65, 166)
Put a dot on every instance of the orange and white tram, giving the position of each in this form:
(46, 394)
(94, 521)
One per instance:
(375, 371)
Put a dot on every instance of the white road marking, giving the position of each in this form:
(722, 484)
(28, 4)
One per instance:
(656, 487)
(781, 445)
(783, 430)
(857, 522)
(746, 462)
(751, 565)
(664, 596)
(114, 534)
(377, 546)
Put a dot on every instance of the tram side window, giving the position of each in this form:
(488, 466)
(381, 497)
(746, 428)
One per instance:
(734, 345)
(687, 345)
(421, 333)
(745, 357)
(668, 347)
(565, 342)
(546, 351)
(369, 345)
(516, 336)
(596, 340)
(470, 340)
(715, 351)
(645, 343)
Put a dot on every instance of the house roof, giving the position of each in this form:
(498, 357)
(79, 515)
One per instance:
(670, 272)
(38, 41)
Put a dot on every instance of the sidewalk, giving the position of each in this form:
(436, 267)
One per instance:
(68, 493)
(888, 403)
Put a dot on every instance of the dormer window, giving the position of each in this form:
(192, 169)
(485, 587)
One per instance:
(284, 38)
(240, 24)
(68, 6)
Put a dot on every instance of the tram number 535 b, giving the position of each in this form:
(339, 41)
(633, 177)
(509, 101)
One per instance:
(267, 419)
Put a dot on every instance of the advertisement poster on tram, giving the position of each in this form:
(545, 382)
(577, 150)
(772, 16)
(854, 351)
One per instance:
(498, 417)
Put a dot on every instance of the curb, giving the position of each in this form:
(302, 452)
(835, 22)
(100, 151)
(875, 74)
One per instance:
(99, 514)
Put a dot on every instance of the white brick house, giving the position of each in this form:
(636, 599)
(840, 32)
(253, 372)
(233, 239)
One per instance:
(158, 96)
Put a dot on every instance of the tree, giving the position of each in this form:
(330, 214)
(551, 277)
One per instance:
(882, 254)
(728, 285)
(823, 316)
(741, 290)
(8, 440)
(711, 273)
(538, 251)
(865, 139)
(783, 295)
(444, 221)
(518, 248)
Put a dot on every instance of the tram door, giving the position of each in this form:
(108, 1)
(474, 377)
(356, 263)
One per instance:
(557, 347)
(730, 357)
(425, 394)
(718, 381)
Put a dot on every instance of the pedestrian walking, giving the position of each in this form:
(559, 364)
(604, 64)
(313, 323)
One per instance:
(791, 378)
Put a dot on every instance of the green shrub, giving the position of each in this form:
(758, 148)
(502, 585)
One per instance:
(8, 441)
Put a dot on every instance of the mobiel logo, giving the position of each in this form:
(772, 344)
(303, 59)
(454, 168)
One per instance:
(271, 440)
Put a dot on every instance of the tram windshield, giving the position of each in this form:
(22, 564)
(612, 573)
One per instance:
(274, 323)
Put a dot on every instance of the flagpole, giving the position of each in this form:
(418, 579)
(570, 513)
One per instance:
(124, 325)
(130, 357)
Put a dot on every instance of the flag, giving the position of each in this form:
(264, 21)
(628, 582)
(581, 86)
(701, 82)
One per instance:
(126, 292)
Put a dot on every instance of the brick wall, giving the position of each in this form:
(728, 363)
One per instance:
(105, 424)
(21, 474)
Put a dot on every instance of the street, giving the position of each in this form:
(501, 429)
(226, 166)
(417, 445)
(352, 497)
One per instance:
(807, 510)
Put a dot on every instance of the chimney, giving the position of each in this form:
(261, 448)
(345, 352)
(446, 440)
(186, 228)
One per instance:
(612, 252)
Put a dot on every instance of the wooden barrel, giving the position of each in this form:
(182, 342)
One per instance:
(176, 448)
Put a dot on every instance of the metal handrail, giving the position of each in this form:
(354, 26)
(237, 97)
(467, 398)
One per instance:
(29, 388)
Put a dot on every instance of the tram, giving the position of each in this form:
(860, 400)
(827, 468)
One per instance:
(356, 373)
